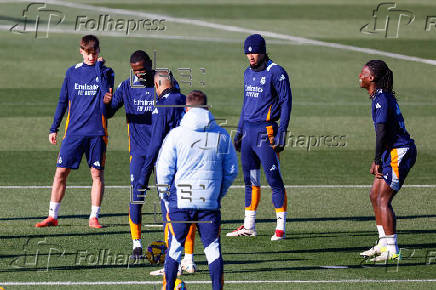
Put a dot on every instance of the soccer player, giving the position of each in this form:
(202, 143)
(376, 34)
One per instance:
(199, 162)
(267, 99)
(86, 127)
(168, 112)
(137, 96)
(395, 155)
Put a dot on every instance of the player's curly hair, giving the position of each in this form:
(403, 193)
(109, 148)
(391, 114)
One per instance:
(383, 76)
(140, 55)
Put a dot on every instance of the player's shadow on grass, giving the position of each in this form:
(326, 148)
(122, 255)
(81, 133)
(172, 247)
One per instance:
(325, 219)
(242, 262)
(77, 216)
(30, 255)
(311, 268)
(330, 250)
(305, 251)
(76, 267)
(93, 233)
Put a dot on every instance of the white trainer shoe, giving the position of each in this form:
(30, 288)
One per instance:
(241, 231)
(376, 250)
(386, 256)
(188, 266)
(161, 272)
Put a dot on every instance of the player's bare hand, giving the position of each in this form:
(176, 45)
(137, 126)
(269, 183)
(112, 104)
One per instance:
(108, 97)
(372, 169)
(52, 137)
(101, 59)
(378, 172)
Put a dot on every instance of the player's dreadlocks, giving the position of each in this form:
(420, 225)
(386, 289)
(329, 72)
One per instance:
(383, 76)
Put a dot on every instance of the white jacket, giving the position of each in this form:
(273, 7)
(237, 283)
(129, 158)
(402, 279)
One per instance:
(199, 157)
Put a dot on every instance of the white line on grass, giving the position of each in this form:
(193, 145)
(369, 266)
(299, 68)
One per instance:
(232, 28)
(231, 187)
(90, 283)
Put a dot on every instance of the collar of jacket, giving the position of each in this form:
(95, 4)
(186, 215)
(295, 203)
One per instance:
(167, 91)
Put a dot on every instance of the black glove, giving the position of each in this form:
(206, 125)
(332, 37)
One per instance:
(237, 141)
(278, 148)
(279, 144)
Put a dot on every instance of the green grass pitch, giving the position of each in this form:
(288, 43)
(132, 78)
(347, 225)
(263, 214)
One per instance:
(328, 224)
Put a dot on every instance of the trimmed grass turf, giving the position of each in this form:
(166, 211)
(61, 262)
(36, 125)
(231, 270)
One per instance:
(326, 226)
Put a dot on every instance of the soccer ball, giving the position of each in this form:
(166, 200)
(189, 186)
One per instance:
(180, 285)
(156, 253)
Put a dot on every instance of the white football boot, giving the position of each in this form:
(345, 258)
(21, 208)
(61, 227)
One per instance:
(241, 232)
(387, 255)
(161, 272)
(376, 250)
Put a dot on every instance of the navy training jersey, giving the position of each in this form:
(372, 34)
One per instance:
(385, 110)
(139, 104)
(82, 93)
(267, 96)
(164, 119)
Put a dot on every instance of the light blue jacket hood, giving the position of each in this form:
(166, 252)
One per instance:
(198, 156)
(198, 119)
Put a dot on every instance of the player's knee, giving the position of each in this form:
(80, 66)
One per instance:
(61, 174)
(373, 196)
(384, 201)
(212, 251)
(276, 182)
(97, 175)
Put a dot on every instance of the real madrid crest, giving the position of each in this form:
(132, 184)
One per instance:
(262, 80)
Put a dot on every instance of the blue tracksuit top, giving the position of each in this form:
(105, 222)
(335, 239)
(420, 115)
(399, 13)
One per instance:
(139, 104)
(82, 93)
(385, 110)
(267, 97)
(164, 119)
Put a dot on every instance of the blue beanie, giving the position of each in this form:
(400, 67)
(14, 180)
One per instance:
(255, 44)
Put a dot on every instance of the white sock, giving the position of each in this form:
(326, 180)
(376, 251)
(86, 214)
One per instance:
(95, 211)
(137, 243)
(381, 235)
(250, 219)
(189, 257)
(281, 220)
(54, 209)
(391, 244)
